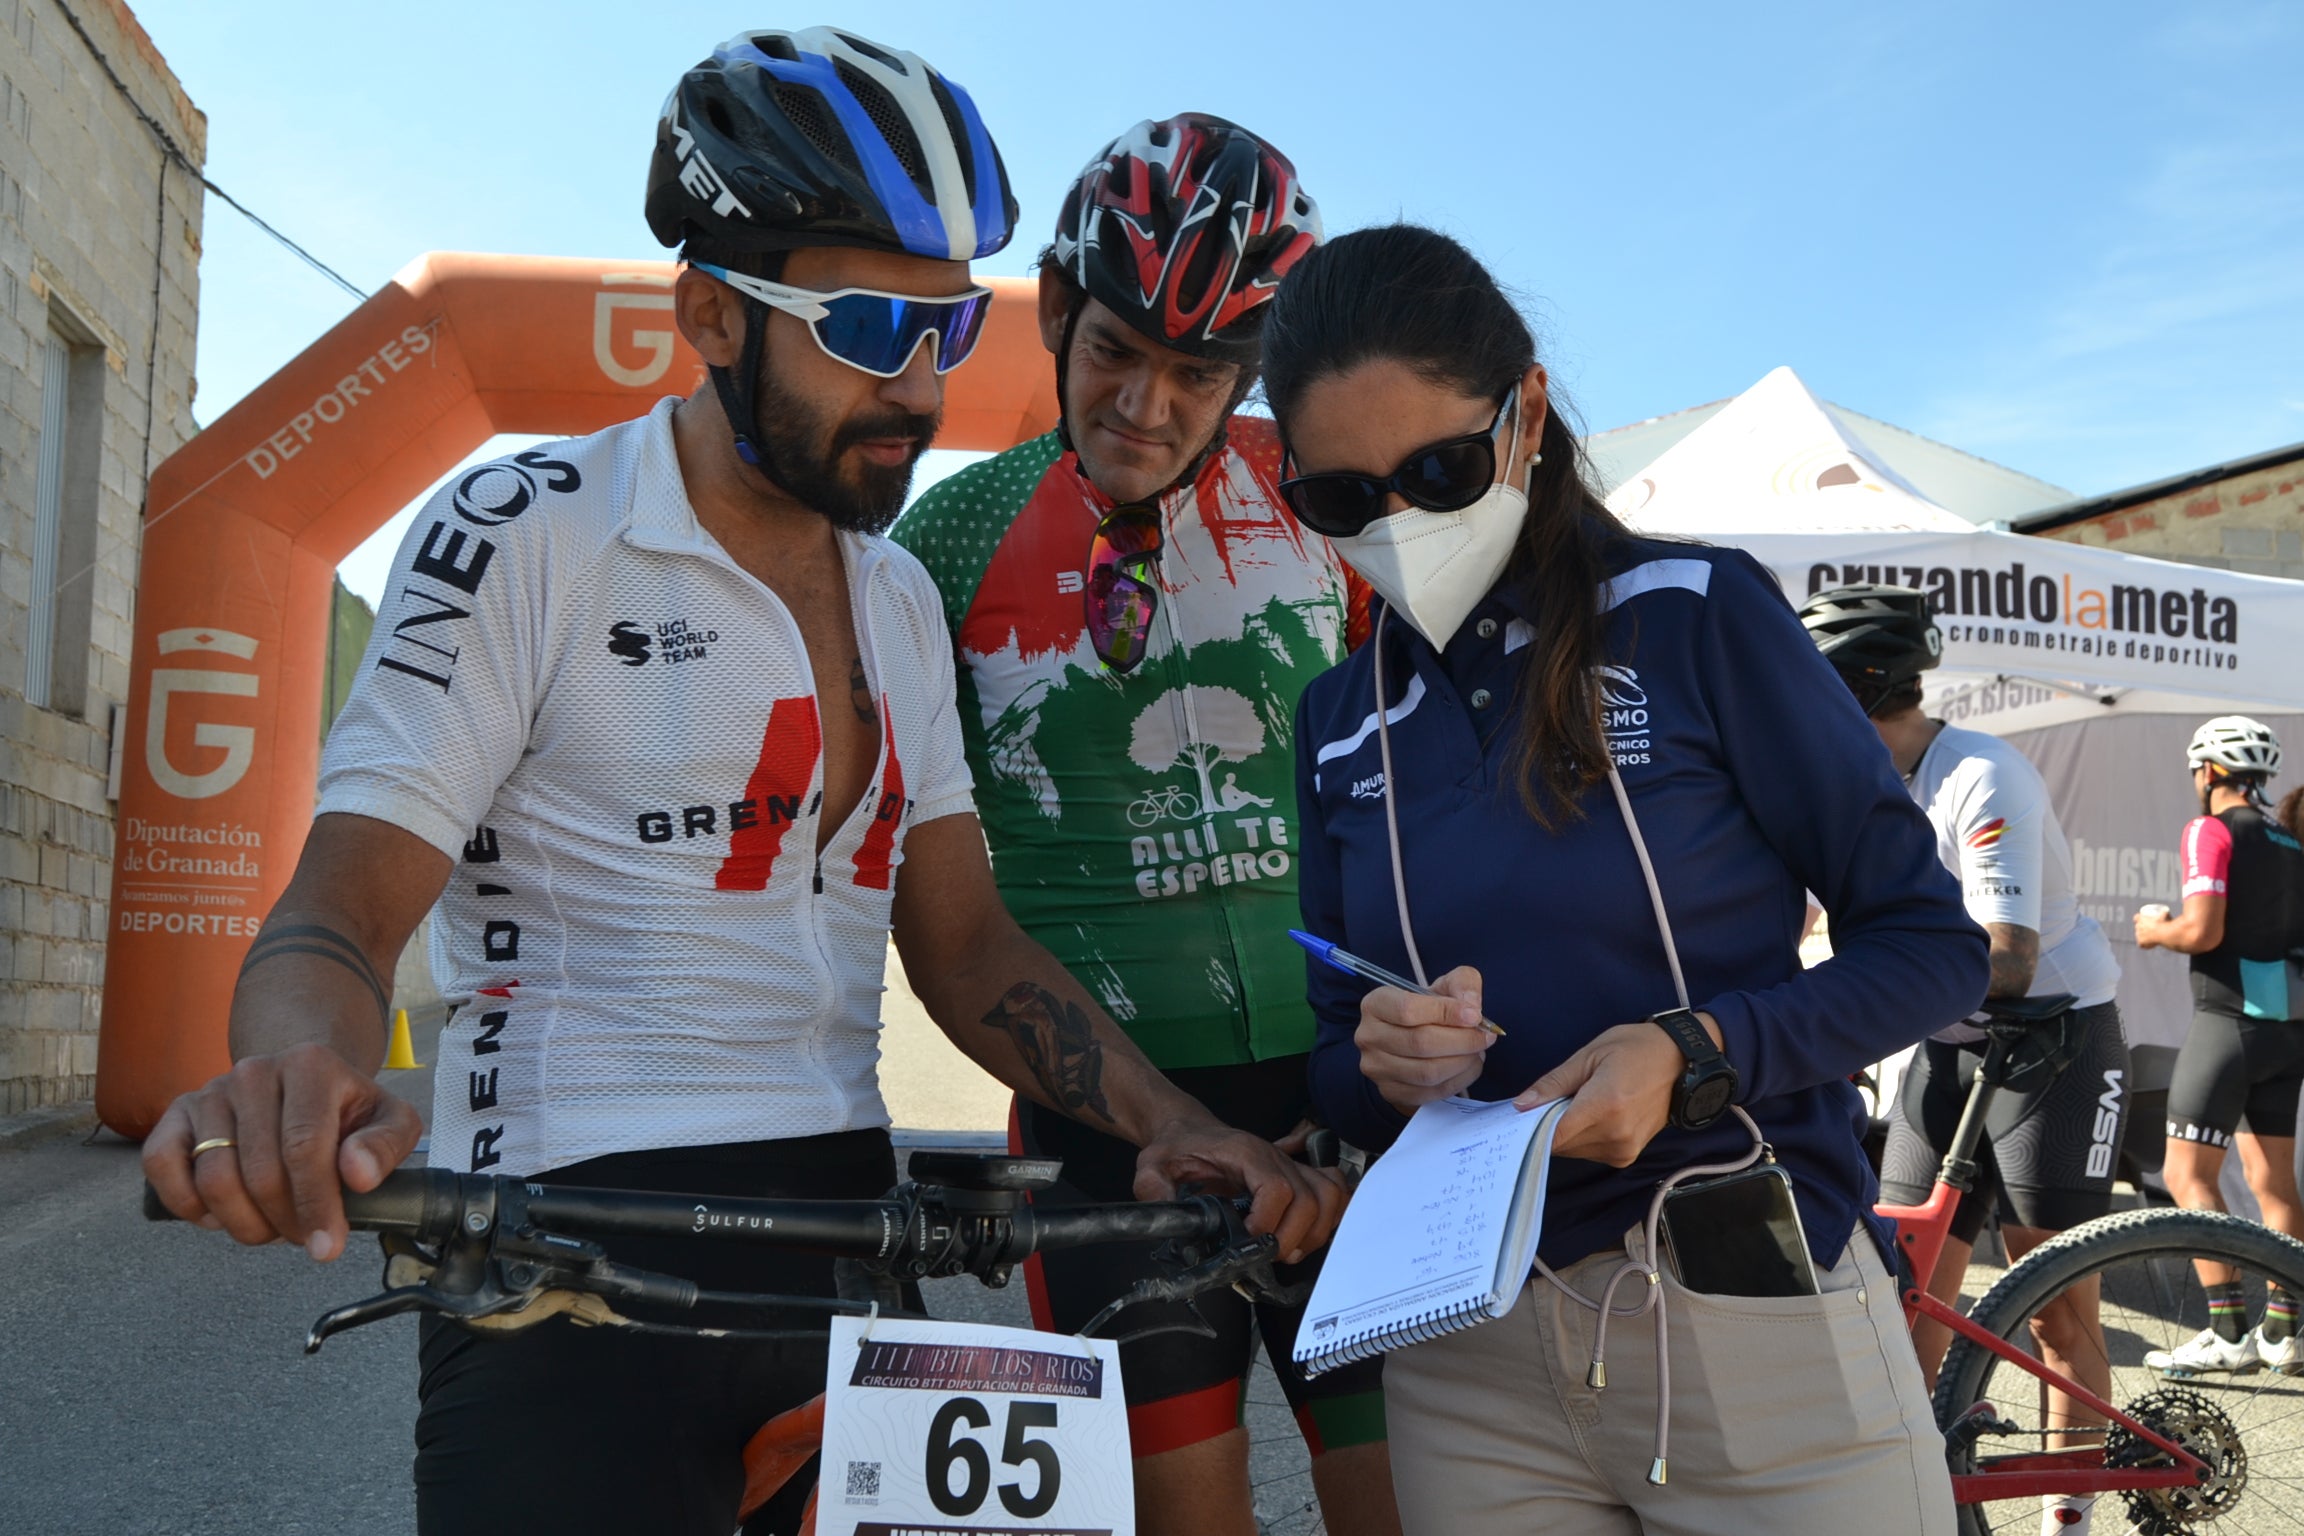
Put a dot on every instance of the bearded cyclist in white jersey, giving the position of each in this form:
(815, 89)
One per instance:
(2052, 1138)
(665, 893)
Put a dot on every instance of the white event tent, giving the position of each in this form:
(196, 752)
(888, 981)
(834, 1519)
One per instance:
(2098, 665)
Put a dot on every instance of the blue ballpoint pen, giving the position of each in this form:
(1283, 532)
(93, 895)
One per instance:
(1345, 960)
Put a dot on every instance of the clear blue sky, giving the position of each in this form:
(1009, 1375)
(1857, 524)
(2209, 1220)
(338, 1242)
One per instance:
(2069, 237)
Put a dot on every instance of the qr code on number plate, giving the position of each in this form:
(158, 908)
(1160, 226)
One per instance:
(863, 1479)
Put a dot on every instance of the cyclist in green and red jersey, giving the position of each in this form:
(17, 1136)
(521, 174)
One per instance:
(1135, 613)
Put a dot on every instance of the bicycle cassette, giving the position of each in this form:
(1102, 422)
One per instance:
(2202, 1429)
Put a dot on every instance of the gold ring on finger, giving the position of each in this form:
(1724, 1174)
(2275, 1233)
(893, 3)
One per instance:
(212, 1143)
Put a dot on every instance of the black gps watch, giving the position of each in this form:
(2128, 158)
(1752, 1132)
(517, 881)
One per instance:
(1702, 1094)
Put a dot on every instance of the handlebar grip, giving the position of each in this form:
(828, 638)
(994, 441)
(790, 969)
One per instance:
(1200, 1219)
(420, 1201)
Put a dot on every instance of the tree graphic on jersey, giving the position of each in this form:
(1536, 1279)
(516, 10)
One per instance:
(1229, 727)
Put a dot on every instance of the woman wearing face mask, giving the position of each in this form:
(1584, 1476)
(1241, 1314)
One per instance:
(1549, 704)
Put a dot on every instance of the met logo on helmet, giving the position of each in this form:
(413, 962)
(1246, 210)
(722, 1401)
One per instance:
(697, 172)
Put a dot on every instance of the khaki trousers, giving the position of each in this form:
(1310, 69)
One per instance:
(1790, 1416)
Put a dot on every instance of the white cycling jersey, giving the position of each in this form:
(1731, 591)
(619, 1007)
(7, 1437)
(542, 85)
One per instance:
(1996, 830)
(574, 693)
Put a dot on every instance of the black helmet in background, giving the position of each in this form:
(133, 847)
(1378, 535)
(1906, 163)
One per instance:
(785, 139)
(1879, 639)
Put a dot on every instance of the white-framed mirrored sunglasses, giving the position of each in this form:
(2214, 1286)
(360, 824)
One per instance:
(870, 328)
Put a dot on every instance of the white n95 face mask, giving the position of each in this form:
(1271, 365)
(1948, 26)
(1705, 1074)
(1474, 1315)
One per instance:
(1435, 567)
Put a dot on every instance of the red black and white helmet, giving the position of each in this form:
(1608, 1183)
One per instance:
(2236, 744)
(1184, 228)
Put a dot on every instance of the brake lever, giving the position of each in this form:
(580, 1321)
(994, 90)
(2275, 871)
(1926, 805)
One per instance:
(488, 1299)
(499, 1264)
(1246, 1266)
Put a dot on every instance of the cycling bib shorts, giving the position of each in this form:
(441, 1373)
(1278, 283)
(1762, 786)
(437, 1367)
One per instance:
(607, 1432)
(2048, 1157)
(1183, 1389)
(2236, 1074)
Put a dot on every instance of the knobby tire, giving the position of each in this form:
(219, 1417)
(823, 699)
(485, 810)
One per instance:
(2151, 1298)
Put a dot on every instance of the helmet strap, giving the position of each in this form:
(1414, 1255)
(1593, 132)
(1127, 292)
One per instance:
(1873, 699)
(1064, 369)
(739, 392)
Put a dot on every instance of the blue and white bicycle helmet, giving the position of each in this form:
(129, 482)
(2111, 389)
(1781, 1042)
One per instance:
(789, 139)
(821, 137)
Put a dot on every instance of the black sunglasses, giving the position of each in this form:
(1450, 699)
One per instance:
(1443, 477)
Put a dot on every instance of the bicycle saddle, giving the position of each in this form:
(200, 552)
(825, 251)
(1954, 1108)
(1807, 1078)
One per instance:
(2029, 1011)
(2036, 1038)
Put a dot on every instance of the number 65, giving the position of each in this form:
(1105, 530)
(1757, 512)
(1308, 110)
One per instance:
(947, 1444)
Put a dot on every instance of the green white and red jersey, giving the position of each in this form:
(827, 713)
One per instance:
(1143, 825)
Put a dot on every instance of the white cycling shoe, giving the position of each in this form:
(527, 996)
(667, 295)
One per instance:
(2207, 1352)
(2286, 1357)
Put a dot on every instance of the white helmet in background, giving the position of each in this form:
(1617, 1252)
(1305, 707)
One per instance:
(2237, 744)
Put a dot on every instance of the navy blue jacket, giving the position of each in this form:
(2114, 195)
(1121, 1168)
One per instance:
(1755, 778)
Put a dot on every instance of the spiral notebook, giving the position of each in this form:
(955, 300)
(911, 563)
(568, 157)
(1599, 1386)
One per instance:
(1439, 1236)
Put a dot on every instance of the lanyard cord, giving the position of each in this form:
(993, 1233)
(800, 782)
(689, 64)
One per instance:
(1391, 812)
(1655, 891)
(1643, 1263)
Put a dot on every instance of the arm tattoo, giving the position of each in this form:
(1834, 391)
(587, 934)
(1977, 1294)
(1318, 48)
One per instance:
(1059, 1044)
(327, 944)
(2015, 959)
(860, 692)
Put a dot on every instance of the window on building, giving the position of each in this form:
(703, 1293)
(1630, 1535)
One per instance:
(64, 513)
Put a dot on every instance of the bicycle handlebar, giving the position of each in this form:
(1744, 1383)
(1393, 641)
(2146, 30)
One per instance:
(431, 1205)
(484, 1249)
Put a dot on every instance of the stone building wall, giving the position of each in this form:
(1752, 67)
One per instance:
(99, 288)
(2248, 518)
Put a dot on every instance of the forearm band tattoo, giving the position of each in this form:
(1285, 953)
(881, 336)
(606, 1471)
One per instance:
(325, 943)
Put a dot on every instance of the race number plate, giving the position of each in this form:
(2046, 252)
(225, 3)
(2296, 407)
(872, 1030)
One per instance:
(963, 1429)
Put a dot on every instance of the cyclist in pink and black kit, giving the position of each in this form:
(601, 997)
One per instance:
(2241, 1068)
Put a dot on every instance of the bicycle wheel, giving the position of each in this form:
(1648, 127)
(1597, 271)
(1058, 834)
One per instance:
(2248, 1427)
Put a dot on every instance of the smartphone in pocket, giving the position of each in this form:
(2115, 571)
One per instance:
(1737, 1235)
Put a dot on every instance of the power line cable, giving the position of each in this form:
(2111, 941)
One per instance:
(175, 152)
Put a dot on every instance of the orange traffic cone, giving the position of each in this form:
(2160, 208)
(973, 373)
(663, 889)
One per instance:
(402, 1055)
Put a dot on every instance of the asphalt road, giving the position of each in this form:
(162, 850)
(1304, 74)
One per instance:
(153, 1380)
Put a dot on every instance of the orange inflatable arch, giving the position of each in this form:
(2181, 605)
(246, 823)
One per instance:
(244, 526)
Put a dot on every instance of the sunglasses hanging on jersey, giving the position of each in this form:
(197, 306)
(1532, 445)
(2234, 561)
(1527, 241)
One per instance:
(1123, 591)
(1441, 477)
(871, 329)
